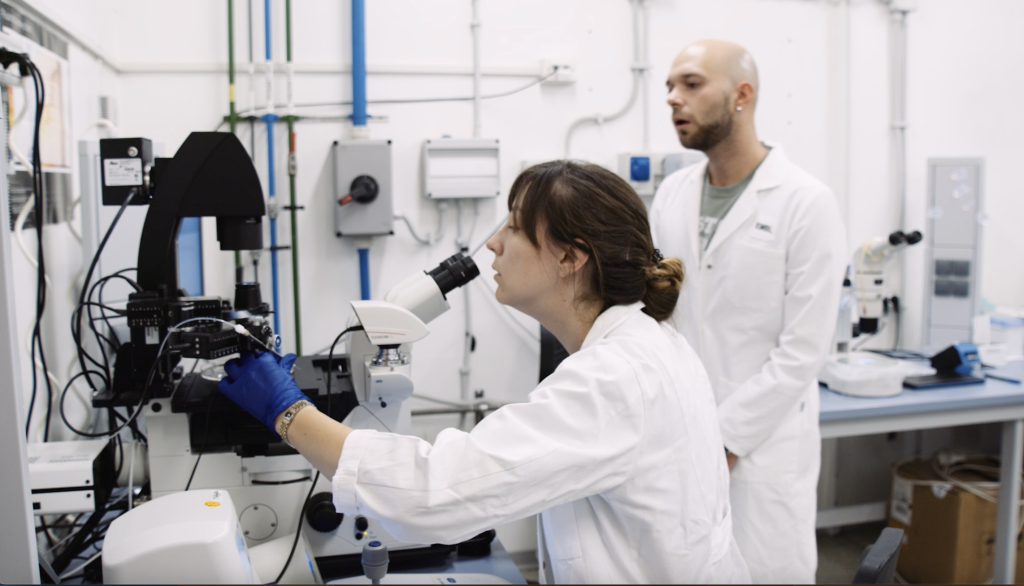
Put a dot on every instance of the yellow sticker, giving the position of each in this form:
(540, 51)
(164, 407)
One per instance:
(212, 504)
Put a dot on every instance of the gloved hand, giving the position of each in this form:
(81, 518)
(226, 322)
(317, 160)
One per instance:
(262, 385)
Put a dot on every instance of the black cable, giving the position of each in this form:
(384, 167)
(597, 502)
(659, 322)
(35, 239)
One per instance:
(76, 334)
(40, 220)
(88, 277)
(131, 418)
(280, 482)
(302, 513)
(117, 312)
(76, 546)
(895, 302)
(132, 425)
(115, 342)
(32, 397)
(46, 530)
(330, 363)
(202, 447)
(28, 69)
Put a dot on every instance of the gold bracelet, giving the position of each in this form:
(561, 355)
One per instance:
(289, 416)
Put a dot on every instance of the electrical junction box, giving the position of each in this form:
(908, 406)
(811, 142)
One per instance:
(952, 292)
(461, 168)
(362, 188)
(70, 477)
(646, 171)
(557, 72)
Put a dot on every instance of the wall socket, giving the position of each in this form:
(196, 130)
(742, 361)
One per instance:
(561, 71)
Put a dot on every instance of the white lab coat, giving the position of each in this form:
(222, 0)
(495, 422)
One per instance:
(618, 450)
(760, 311)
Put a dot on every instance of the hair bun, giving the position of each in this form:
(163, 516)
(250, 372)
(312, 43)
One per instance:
(664, 281)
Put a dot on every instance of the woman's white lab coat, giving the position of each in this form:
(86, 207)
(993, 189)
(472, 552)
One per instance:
(618, 450)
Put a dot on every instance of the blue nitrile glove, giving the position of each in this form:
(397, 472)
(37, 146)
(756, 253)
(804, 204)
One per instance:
(262, 385)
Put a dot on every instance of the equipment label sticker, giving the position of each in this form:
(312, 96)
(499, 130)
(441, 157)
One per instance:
(117, 172)
(902, 506)
(152, 335)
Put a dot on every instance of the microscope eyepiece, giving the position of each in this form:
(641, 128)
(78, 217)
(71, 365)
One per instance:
(453, 272)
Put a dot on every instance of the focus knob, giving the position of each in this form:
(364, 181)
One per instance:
(320, 513)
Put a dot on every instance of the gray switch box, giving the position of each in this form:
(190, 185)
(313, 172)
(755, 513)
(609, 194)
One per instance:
(952, 286)
(354, 161)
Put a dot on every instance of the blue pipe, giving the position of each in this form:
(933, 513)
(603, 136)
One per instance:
(364, 272)
(359, 112)
(358, 63)
(271, 192)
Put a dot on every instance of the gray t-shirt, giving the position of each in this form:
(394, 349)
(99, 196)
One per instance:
(715, 203)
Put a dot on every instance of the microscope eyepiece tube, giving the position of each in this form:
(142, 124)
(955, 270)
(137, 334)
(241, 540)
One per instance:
(453, 272)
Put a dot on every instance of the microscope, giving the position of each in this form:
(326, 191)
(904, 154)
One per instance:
(210, 175)
(867, 374)
(199, 439)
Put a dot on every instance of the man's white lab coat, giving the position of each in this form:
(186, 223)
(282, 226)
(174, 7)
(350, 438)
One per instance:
(618, 450)
(760, 311)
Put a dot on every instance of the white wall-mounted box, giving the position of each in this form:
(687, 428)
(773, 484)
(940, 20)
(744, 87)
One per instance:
(461, 168)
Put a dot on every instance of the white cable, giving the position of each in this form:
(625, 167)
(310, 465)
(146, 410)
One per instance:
(102, 123)
(493, 232)
(460, 241)
(474, 26)
(431, 239)
(476, 216)
(503, 94)
(82, 566)
(67, 219)
(50, 375)
(462, 404)
(534, 337)
(131, 477)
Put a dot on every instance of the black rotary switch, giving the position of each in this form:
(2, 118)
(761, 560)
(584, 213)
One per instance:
(320, 513)
(364, 189)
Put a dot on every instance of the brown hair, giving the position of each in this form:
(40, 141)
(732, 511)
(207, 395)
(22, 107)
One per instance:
(587, 207)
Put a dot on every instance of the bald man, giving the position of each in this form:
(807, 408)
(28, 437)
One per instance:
(765, 253)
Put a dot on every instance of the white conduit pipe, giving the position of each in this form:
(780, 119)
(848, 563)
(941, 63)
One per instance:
(898, 66)
(640, 28)
(898, 70)
(602, 118)
(474, 26)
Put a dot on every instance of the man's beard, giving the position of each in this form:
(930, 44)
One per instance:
(707, 136)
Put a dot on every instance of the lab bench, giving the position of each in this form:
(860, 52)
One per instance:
(995, 401)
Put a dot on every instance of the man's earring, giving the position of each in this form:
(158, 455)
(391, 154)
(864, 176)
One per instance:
(739, 108)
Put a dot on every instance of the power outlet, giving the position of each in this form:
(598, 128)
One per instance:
(558, 72)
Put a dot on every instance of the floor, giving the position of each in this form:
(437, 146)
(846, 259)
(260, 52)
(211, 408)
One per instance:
(838, 554)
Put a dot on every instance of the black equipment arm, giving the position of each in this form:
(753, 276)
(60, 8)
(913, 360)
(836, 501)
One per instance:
(210, 175)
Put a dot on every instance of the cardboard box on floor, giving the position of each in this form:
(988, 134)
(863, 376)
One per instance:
(950, 533)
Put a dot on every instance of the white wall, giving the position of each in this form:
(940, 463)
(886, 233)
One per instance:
(825, 84)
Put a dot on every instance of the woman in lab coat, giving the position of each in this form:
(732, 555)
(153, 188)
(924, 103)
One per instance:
(618, 449)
